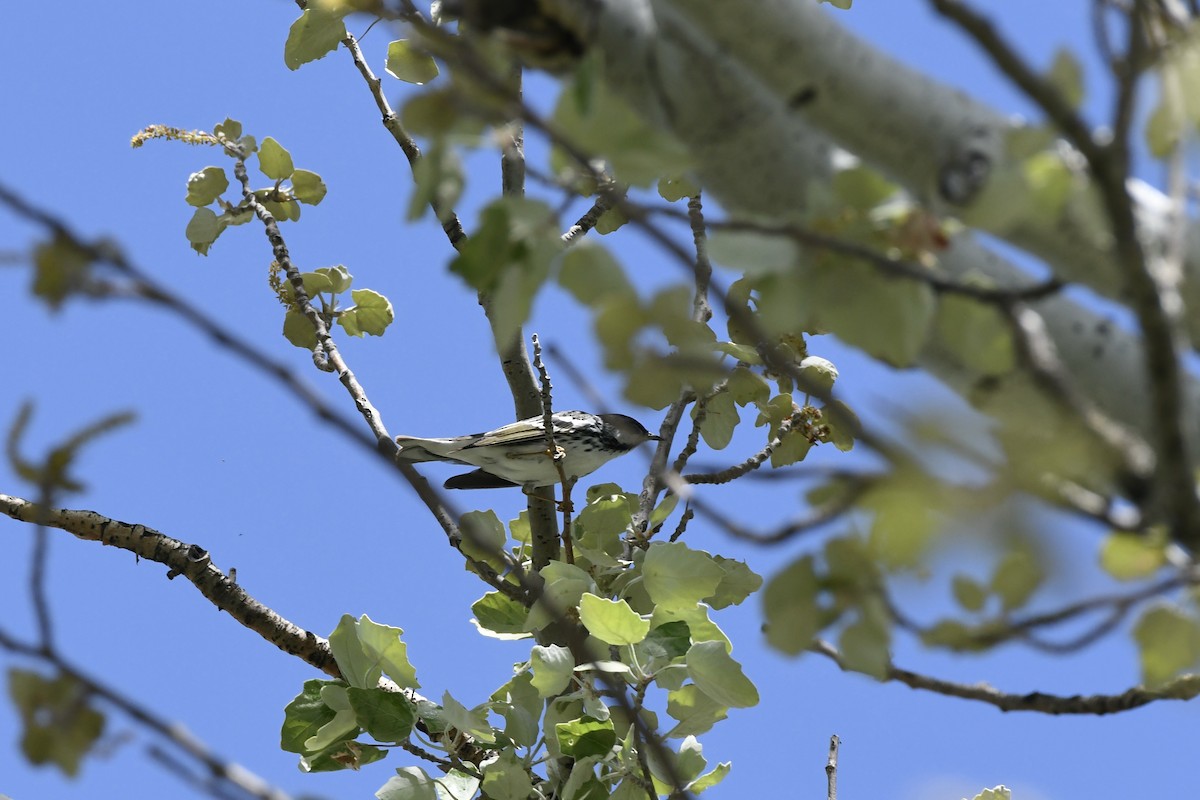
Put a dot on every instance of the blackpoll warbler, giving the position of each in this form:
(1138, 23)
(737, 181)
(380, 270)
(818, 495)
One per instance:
(516, 454)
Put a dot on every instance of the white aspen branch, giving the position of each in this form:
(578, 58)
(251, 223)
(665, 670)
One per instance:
(761, 92)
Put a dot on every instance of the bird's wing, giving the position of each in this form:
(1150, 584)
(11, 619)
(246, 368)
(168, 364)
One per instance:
(526, 431)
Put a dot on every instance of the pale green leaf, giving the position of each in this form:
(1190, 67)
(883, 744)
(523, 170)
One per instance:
(371, 313)
(695, 711)
(205, 186)
(275, 161)
(1016, 578)
(720, 677)
(308, 187)
(1168, 642)
(1130, 556)
(612, 622)
(409, 63)
(753, 252)
(1066, 75)
(790, 606)
(720, 420)
(677, 576)
(409, 783)
(969, 593)
(976, 334)
(500, 617)
(553, 668)
(473, 722)
(313, 35)
(865, 647)
(676, 188)
(202, 230)
(591, 274)
(298, 329)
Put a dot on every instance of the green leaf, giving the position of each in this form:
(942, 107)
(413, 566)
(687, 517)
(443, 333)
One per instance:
(364, 650)
(585, 737)
(676, 188)
(719, 676)
(274, 161)
(564, 585)
(457, 785)
(612, 622)
(230, 129)
(521, 706)
(738, 583)
(439, 180)
(889, 318)
(500, 617)
(59, 726)
(341, 727)
(339, 278)
(314, 34)
(509, 258)
(903, 525)
(700, 627)
(1066, 75)
(60, 268)
(718, 773)
(371, 313)
(308, 187)
(473, 722)
(677, 576)
(409, 783)
(790, 607)
(387, 716)
(304, 716)
(1017, 577)
(506, 778)
(1168, 641)
(205, 186)
(969, 593)
(591, 274)
(695, 711)
(861, 188)
(553, 669)
(976, 335)
(753, 252)
(819, 374)
(610, 221)
(720, 420)
(408, 63)
(865, 647)
(1051, 183)
(995, 793)
(298, 329)
(1130, 556)
(605, 125)
(202, 230)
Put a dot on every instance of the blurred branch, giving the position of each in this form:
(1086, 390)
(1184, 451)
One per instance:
(1152, 286)
(1184, 687)
(222, 774)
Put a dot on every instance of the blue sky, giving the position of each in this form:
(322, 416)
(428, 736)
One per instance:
(220, 456)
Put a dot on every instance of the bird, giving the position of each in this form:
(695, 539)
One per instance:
(517, 454)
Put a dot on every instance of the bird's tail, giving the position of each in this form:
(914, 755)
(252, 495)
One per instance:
(414, 448)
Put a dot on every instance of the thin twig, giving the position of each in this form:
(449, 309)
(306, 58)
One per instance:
(1184, 687)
